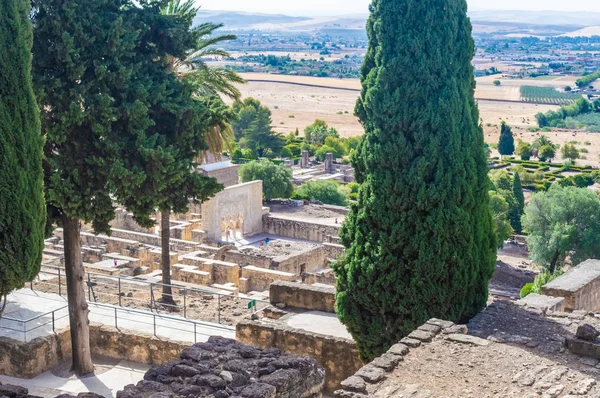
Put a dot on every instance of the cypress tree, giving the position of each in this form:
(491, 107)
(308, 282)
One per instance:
(517, 211)
(506, 145)
(22, 206)
(420, 239)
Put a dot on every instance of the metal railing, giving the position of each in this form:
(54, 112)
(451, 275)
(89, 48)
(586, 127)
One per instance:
(139, 321)
(194, 303)
(40, 321)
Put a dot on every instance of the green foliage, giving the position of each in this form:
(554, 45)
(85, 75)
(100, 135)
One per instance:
(524, 150)
(326, 191)
(500, 180)
(322, 152)
(317, 132)
(294, 149)
(540, 280)
(420, 238)
(252, 127)
(569, 151)
(286, 153)
(500, 208)
(497, 82)
(588, 79)
(546, 152)
(277, 179)
(506, 145)
(526, 290)
(22, 206)
(557, 118)
(563, 220)
(517, 210)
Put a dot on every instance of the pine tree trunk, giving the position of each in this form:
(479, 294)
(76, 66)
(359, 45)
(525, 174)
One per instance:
(165, 261)
(78, 307)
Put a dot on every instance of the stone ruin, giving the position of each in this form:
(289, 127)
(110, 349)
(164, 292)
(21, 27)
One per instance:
(223, 368)
(200, 256)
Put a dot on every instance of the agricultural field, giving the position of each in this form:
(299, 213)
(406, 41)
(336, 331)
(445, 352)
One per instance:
(547, 95)
(297, 106)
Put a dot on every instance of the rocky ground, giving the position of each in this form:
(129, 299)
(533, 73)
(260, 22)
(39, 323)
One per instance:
(513, 271)
(509, 351)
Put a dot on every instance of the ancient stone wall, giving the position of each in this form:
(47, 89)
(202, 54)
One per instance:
(298, 229)
(307, 261)
(339, 357)
(303, 296)
(243, 202)
(228, 176)
(27, 360)
(580, 287)
(259, 279)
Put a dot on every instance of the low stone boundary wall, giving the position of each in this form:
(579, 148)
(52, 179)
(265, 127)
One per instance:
(303, 296)
(339, 357)
(28, 360)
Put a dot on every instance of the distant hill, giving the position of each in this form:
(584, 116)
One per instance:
(538, 17)
(585, 32)
(521, 23)
(242, 20)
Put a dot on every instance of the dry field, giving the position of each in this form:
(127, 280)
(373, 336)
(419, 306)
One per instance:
(297, 106)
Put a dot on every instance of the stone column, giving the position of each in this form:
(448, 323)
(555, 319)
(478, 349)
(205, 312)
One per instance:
(329, 166)
(304, 160)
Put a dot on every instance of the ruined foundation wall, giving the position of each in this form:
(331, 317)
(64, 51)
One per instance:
(298, 229)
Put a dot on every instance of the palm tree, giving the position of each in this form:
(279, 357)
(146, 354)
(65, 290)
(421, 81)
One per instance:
(209, 82)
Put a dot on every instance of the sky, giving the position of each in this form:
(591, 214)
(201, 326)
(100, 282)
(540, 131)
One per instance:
(347, 7)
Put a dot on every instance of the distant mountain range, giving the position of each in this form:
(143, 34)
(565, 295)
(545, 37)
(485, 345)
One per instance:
(519, 20)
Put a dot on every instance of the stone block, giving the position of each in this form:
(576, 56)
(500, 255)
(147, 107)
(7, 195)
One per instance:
(398, 349)
(354, 383)
(441, 323)
(412, 343)
(387, 362)
(421, 335)
(466, 339)
(583, 348)
(371, 374)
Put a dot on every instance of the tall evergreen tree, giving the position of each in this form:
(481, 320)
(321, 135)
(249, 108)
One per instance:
(22, 206)
(102, 90)
(516, 212)
(420, 239)
(506, 146)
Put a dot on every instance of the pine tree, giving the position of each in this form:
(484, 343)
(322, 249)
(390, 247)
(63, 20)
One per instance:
(420, 239)
(22, 205)
(516, 212)
(506, 146)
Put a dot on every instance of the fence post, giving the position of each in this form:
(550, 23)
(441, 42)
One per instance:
(151, 297)
(120, 292)
(219, 309)
(185, 303)
(89, 287)
(116, 327)
(195, 333)
(59, 288)
(53, 320)
(154, 325)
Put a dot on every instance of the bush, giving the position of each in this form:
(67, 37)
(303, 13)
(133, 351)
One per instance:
(540, 280)
(325, 191)
(526, 290)
(277, 179)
